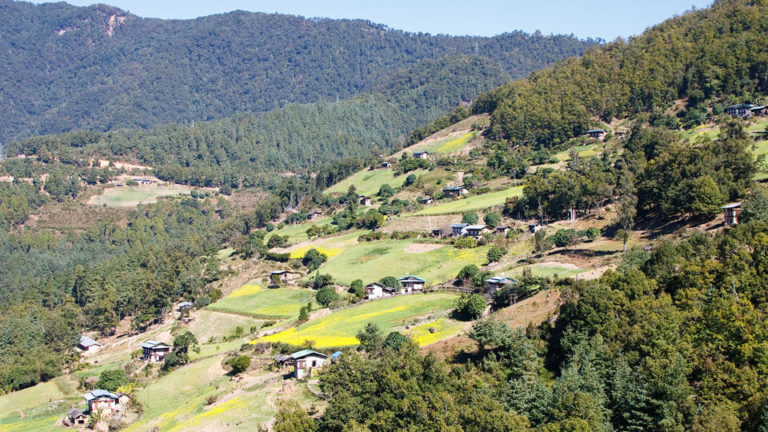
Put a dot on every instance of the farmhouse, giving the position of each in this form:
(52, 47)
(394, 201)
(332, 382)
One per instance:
(314, 215)
(377, 290)
(475, 231)
(732, 213)
(493, 284)
(739, 110)
(154, 351)
(88, 345)
(184, 306)
(455, 191)
(365, 201)
(411, 284)
(306, 363)
(502, 229)
(421, 155)
(102, 400)
(385, 165)
(426, 200)
(758, 110)
(596, 133)
(533, 227)
(459, 229)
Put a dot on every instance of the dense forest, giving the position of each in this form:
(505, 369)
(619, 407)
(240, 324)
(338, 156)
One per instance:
(101, 68)
(249, 150)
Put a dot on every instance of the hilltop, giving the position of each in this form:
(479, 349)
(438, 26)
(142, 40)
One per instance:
(101, 68)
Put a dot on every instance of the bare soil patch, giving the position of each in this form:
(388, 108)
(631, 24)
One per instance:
(420, 248)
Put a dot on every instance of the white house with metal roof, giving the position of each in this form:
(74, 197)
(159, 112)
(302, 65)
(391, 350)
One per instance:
(411, 284)
(154, 351)
(306, 363)
(88, 345)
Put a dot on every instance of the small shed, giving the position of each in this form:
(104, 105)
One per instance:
(279, 276)
(101, 400)
(411, 284)
(306, 363)
(534, 227)
(282, 359)
(88, 345)
(154, 351)
(758, 110)
(596, 133)
(184, 306)
(365, 200)
(426, 200)
(421, 155)
(731, 213)
(455, 191)
(502, 229)
(314, 215)
(385, 165)
(77, 417)
(495, 283)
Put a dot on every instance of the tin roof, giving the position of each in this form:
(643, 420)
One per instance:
(95, 394)
(411, 278)
(87, 342)
(306, 353)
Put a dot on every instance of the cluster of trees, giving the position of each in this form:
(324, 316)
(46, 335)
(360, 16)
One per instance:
(691, 56)
(674, 341)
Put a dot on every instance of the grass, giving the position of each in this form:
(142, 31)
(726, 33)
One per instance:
(539, 270)
(444, 327)
(331, 246)
(585, 151)
(371, 261)
(473, 203)
(130, 196)
(298, 232)
(339, 328)
(41, 405)
(254, 301)
(449, 144)
(368, 182)
(208, 323)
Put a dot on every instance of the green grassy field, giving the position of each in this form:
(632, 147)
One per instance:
(585, 151)
(339, 328)
(298, 232)
(371, 261)
(451, 144)
(130, 196)
(368, 182)
(41, 405)
(258, 302)
(540, 270)
(331, 246)
(473, 203)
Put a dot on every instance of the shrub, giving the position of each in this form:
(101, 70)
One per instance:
(395, 340)
(495, 253)
(240, 364)
(390, 281)
(492, 219)
(470, 218)
(470, 307)
(468, 272)
(465, 243)
(322, 281)
(112, 379)
(326, 296)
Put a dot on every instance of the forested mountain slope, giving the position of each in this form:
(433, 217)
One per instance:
(101, 68)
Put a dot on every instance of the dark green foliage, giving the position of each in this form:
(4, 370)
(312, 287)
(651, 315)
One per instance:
(396, 341)
(411, 179)
(371, 338)
(292, 418)
(322, 281)
(495, 254)
(372, 220)
(755, 207)
(390, 281)
(468, 272)
(564, 237)
(313, 259)
(492, 219)
(112, 379)
(303, 315)
(240, 364)
(470, 218)
(179, 356)
(470, 307)
(385, 191)
(357, 288)
(325, 296)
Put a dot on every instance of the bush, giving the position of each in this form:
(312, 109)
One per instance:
(112, 379)
(326, 296)
(564, 237)
(495, 253)
(390, 281)
(470, 218)
(411, 179)
(465, 243)
(357, 288)
(322, 281)
(492, 219)
(593, 233)
(385, 191)
(395, 340)
(468, 272)
(470, 307)
(240, 364)
(313, 259)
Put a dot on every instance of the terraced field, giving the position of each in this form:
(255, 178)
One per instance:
(37, 408)
(473, 203)
(257, 302)
(368, 182)
(371, 261)
(331, 246)
(131, 196)
(339, 328)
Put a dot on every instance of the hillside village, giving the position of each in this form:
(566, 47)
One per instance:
(597, 264)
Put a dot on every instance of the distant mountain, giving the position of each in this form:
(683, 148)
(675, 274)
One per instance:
(99, 68)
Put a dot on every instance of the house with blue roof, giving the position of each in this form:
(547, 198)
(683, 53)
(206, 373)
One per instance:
(495, 283)
(154, 351)
(411, 284)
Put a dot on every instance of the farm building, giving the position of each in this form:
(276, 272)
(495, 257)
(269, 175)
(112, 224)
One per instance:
(279, 276)
(533, 227)
(77, 418)
(306, 363)
(596, 133)
(314, 215)
(475, 231)
(385, 165)
(739, 110)
(365, 201)
(88, 345)
(459, 229)
(732, 213)
(426, 200)
(102, 400)
(411, 284)
(502, 229)
(154, 351)
(184, 306)
(493, 284)
(758, 110)
(421, 155)
(455, 191)
(377, 290)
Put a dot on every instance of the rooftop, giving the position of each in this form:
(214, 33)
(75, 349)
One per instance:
(154, 344)
(475, 227)
(411, 278)
(731, 205)
(501, 280)
(99, 393)
(305, 353)
(86, 341)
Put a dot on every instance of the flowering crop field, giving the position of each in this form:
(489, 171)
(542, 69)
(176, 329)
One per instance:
(444, 328)
(339, 328)
(264, 303)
